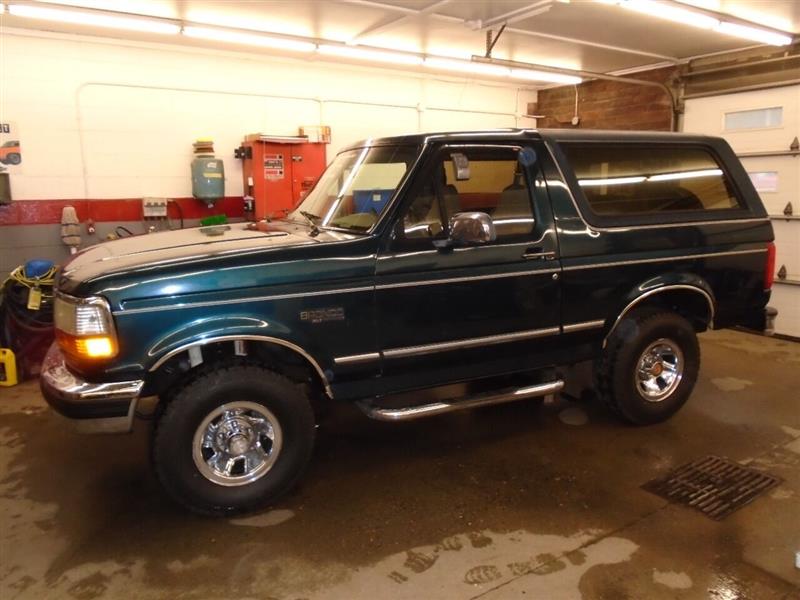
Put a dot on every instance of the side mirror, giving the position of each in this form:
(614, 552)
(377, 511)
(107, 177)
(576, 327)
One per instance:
(472, 228)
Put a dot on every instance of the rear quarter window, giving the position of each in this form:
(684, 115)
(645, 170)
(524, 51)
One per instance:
(631, 181)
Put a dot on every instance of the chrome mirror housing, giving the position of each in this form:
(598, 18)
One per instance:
(472, 228)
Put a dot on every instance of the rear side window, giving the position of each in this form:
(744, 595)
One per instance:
(633, 180)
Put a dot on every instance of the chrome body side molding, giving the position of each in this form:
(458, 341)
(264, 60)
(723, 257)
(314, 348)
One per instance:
(584, 326)
(136, 311)
(638, 261)
(529, 272)
(357, 358)
(469, 343)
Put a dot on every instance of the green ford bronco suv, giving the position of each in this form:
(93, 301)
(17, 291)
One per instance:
(488, 259)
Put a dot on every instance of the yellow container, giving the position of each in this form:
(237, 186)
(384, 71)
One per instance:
(8, 368)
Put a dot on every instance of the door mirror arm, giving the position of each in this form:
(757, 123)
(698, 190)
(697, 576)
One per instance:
(444, 244)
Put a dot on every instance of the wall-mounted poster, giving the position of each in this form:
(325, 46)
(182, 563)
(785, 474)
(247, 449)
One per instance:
(10, 151)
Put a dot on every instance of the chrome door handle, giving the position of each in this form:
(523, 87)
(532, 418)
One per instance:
(537, 253)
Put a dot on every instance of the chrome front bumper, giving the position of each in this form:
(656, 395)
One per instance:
(92, 407)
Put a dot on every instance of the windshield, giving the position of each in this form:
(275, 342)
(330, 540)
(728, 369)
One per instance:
(356, 187)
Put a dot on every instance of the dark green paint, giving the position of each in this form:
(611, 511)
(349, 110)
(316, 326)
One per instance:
(284, 273)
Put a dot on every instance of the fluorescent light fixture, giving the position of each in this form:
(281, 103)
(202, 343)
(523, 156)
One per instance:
(754, 33)
(357, 53)
(97, 19)
(611, 181)
(671, 12)
(463, 66)
(545, 76)
(685, 175)
(249, 39)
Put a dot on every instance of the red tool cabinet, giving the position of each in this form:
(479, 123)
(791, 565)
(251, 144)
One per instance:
(279, 171)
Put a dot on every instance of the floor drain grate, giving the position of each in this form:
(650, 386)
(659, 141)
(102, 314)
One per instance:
(714, 486)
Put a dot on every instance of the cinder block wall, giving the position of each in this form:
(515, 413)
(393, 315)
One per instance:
(607, 104)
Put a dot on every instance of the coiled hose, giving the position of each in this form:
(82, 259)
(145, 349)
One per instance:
(27, 331)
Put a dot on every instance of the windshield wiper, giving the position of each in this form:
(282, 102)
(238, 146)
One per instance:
(312, 218)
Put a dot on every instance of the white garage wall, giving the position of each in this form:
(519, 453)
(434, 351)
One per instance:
(707, 115)
(100, 118)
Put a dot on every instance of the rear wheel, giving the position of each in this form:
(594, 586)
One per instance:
(233, 439)
(649, 366)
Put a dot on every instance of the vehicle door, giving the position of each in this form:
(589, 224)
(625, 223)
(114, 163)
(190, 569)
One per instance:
(449, 312)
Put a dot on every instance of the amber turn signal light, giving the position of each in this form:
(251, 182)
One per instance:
(93, 347)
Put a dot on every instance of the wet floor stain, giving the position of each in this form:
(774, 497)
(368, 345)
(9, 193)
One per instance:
(672, 579)
(791, 431)
(793, 446)
(478, 539)
(730, 384)
(90, 587)
(200, 562)
(781, 494)
(460, 570)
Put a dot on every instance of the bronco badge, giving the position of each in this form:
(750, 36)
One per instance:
(323, 314)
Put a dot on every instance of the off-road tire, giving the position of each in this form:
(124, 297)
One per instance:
(212, 387)
(615, 370)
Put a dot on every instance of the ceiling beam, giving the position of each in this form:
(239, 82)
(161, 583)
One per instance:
(401, 9)
(391, 22)
(434, 15)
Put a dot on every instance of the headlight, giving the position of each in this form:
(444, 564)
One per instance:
(84, 327)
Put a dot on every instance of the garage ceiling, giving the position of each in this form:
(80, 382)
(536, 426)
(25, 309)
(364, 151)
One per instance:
(581, 34)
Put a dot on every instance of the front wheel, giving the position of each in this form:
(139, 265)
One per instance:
(233, 439)
(649, 366)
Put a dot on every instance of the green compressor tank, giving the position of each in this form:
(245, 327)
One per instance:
(208, 173)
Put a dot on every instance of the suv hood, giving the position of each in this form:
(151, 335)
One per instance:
(185, 245)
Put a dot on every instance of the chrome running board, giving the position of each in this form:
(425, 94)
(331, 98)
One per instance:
(437, 408)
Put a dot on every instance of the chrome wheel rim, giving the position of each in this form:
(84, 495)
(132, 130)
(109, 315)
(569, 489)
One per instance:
(659, 370)
(237, 443)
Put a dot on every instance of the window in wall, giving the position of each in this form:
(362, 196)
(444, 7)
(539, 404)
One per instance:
(765, 181)
(760, 118)
(638, 180)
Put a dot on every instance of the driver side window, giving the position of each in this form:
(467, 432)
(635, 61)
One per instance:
(487, 179)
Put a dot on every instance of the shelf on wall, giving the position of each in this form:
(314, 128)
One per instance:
(787, 281)
(784, 217)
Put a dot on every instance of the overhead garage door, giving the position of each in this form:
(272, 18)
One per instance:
(761, 126)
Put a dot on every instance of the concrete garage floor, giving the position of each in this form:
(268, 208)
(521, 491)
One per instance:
(504, 502)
